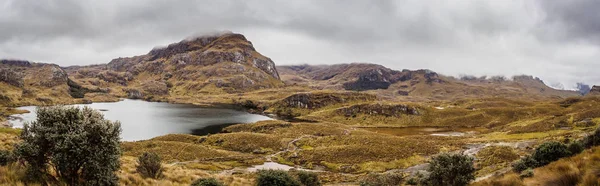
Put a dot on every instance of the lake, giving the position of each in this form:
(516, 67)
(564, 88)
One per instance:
(144, 120)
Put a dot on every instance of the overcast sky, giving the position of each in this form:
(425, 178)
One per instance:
(556, 40)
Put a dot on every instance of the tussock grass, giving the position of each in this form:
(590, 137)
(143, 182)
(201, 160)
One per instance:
(245, 142)
(172, 151)
(582, 169)
(495, 158)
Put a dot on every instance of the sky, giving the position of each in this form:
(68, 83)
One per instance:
(556, 40)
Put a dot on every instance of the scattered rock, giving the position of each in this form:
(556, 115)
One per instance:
(134, 94)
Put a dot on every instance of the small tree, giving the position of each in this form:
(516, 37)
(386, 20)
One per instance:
(275, 178)
(149, 165)
(78, 144)
(207, 182)
(549, 152)
(451, 170)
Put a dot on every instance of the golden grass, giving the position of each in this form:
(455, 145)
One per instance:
(173, 151)
(245, 142)
(582, 169)
(494, 158)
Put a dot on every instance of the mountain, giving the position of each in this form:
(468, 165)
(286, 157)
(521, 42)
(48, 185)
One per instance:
(27, 83)
(428, 84)
(215, 64)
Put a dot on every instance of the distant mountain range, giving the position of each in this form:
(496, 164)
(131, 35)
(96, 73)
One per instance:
(229, 64)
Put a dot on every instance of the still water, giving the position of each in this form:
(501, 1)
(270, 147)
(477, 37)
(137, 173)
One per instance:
(144, 120)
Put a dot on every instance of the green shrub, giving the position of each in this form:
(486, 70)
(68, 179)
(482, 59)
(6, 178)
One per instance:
(549, 152)
(6, 157)
(382, 180)
(451, 170)
(149, 165)
(80, 144)
(308, 178)
(275, 178)
(207, 182)
(526, 173)
(575, 147)
(592, 139)
(524, 164)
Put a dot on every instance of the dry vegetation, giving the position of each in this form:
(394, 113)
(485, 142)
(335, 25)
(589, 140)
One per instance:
(582, 169)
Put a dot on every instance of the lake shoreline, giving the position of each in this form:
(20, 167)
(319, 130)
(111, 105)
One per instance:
(142, 119)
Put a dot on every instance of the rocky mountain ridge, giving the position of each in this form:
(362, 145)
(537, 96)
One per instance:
(415, 83)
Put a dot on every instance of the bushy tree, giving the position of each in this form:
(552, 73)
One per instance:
(149, 165)
(79, 145)
(549, 152)
(451, 170)
(207, 182)
(308, 178)
(275, 178)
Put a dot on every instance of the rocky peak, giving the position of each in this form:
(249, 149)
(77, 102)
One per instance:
(199, 51)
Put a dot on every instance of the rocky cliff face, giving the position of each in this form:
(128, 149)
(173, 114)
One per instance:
(226, 62)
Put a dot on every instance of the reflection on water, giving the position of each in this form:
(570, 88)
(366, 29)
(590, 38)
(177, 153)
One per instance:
(144, 120)
(434, 131)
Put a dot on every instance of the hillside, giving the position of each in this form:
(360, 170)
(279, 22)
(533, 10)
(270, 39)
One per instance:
(218, 64)
(29, 83)
(415, 84)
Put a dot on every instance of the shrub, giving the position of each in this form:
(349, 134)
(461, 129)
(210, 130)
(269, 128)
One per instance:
(450, 169)
(382, 180)
(207, 182)
(592, 139)
(308, 178)
(524, 164)
(549, 152)
(527, 173)
(6, 157)
(80, 144)
(149, 165)
(575, 147)
(275, 178)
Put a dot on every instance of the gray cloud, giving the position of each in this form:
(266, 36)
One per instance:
(555, 40)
